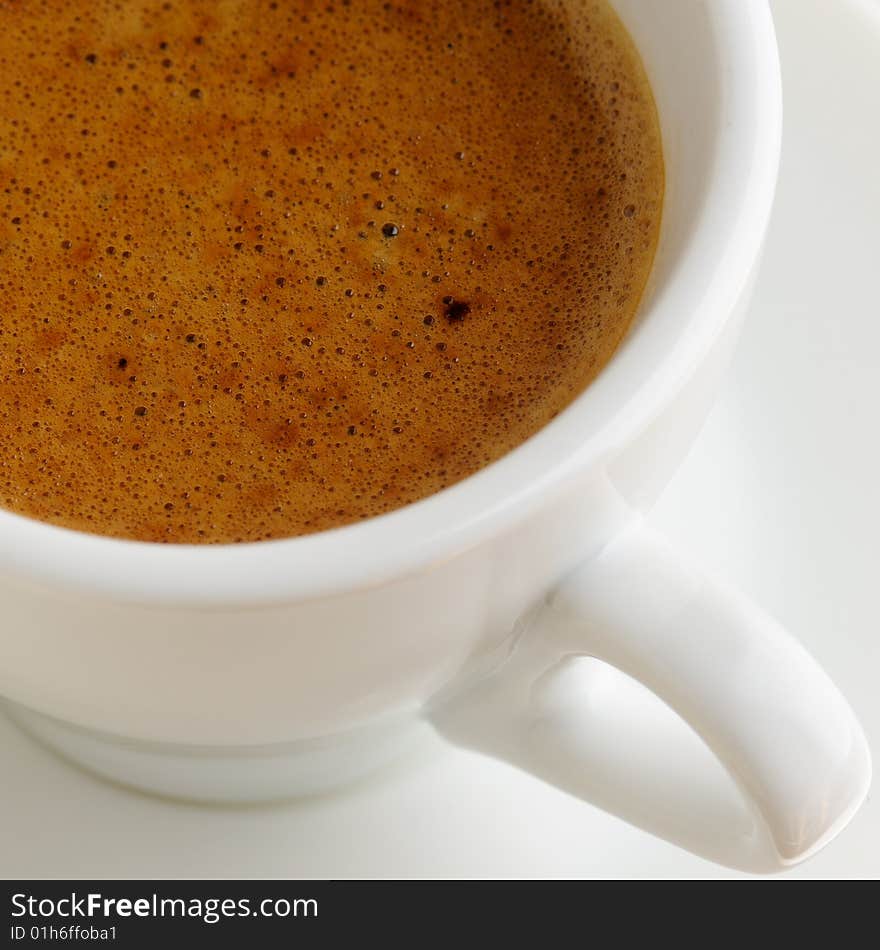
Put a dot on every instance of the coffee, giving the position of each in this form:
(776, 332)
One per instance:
(275, 267)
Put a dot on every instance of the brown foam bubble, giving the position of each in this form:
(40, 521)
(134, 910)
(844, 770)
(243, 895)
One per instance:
(272, 267)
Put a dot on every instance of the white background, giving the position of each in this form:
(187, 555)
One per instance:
(781, 493)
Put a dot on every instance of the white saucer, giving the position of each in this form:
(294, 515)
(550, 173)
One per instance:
(781, 494)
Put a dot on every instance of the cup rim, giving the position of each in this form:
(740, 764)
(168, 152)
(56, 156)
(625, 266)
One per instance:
(617, 405)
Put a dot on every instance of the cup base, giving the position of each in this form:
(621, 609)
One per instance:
(237, 775)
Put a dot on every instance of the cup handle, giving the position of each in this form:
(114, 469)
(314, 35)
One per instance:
(759, 701)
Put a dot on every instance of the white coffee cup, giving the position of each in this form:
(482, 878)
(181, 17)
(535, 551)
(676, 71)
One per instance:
(251, 672)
